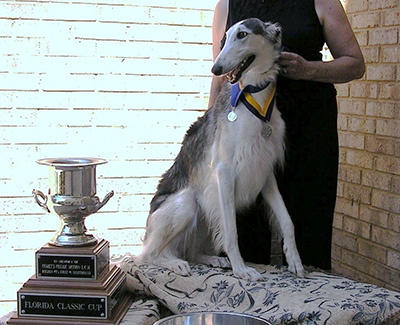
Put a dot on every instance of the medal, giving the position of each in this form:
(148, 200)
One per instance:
(266, 130)
(263, 112)
(232, 116)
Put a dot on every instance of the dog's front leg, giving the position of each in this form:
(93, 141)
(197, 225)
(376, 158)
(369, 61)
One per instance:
(274, 198)
(225, 184)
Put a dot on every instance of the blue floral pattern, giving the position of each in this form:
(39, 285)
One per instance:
(281, 298)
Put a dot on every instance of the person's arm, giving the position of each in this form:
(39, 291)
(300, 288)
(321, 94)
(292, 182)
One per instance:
(348, 63)
(218, 32)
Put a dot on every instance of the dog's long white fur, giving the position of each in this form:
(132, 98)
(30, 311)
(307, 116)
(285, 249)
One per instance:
(198, 220)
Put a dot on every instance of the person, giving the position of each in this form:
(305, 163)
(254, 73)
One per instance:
(306, 98)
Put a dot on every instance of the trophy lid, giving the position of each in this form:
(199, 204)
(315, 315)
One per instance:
(71, 162)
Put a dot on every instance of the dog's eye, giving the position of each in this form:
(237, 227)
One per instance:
(241, 35)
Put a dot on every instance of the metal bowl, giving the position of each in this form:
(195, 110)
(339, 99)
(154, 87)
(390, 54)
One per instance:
(212, 318)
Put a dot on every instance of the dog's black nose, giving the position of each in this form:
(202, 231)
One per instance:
(216, 69)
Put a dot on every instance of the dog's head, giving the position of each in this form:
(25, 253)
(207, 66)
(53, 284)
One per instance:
(251, 51)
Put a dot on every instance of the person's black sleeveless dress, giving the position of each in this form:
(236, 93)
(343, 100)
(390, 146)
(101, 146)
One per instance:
(309, 179)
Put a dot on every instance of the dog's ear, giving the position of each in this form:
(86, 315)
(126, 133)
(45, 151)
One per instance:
(274, 31)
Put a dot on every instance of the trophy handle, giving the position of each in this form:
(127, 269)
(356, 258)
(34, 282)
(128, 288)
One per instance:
(36, 194)
(99, 205)
(105, 200)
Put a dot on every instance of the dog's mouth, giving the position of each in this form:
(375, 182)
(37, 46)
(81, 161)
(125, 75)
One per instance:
(235, 74)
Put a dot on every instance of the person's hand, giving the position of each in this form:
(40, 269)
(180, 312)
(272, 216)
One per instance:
(293, 66)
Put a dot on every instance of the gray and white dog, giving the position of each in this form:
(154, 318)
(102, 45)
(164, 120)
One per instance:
(227, 158)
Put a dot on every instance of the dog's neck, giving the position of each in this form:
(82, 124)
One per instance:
(252, 78)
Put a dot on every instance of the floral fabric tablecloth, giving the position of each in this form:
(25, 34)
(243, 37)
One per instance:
(281, 298)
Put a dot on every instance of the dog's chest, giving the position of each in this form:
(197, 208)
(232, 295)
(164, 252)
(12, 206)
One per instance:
(251, 153)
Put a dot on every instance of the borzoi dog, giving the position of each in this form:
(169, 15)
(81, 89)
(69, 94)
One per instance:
(226, 160)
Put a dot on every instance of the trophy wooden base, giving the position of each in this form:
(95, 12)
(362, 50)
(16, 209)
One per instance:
(73, 285)
(43, 301)
(120, 312)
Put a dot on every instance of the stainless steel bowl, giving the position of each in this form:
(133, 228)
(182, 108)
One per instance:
(212, 318)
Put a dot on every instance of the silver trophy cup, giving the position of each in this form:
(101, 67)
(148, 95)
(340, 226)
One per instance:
(71, 196)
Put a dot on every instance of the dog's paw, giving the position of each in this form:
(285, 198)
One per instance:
(180, 268)
(294, 262)
(297, 269)
(216, 261)
(248, 274)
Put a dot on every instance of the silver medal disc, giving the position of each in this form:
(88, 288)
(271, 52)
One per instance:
(267, 130)
(232, 116)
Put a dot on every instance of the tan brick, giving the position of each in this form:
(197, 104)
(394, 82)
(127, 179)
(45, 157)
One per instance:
(394, 222)
(345, 240)
(355, 260)
(382, 4)
(375, 179)
(338, 221)
(359, 158)
(351, 140)
(350, 174)
(339, 268)
(389, 91)
(342, 122)
(355, 6)
(379, 145)
(391, 18)
(357, 193)
(388, 127)
(362, 277)
(394, 260)
(336, 253)
(366, 20)
(382, 36)
(381, 72)
(372, 251)
(371, 54)
(398, 72)
(386, 237)
(396, 114)
(388, 164)
(386, 201)
(340, 188)
(342, 155)
(354, 107)
(385, 274)
(381, 109)
(361, 89)
(362, 37)
(357, 227)
(374, 216)
(346, 207)
(397, 148)
(342, 90)
(362, 125)
(395, 188)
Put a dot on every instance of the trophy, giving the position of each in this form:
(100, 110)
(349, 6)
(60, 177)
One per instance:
(74, 282)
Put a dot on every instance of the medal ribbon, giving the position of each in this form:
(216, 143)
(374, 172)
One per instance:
(244, 94)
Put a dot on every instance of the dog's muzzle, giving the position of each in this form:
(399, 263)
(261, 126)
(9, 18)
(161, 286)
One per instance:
(217, 69)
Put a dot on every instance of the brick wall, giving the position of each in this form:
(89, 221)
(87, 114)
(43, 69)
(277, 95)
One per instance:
(116, 79)
(366, 234)
(122, 80)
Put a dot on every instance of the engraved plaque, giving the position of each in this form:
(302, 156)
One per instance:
(67, 266)
(72, 263)
(62, 305)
